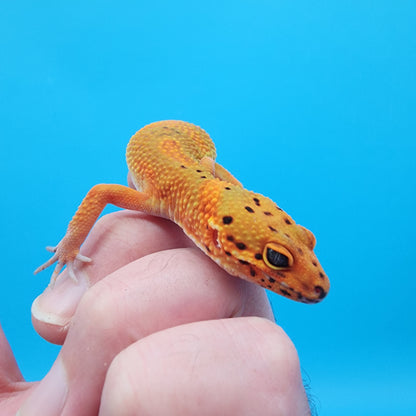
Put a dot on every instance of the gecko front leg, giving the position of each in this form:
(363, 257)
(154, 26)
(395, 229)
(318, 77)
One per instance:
(67, 251)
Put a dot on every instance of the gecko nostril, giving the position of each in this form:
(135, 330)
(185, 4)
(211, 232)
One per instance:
(320, 292)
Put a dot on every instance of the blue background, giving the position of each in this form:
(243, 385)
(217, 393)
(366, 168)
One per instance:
(309, 102)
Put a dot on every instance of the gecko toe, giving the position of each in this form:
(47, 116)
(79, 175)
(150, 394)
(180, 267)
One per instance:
(45, 265)
(82, 258)
(71, 271)
(55, 274)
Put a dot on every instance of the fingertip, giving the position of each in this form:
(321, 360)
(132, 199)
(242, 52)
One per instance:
(210, 367)
(53, 310)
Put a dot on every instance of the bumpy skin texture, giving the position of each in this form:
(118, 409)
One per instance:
(172, 164)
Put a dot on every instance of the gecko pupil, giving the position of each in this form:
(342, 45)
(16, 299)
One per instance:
(277, 259)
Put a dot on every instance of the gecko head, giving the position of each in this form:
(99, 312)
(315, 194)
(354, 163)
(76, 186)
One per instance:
(264, 245)
(291, 268)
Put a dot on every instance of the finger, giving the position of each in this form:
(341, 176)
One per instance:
(244, 366)
(11, 379)
(116, 240)
(158, 291)
(9, 371)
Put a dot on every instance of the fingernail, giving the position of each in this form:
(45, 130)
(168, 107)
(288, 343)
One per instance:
(48, 398)
(57, 305)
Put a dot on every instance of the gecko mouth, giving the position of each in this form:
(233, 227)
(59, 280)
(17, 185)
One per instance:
(320, 294)
(285, 290)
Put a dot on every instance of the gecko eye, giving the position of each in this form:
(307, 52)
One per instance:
(277, 259)
(277, 256)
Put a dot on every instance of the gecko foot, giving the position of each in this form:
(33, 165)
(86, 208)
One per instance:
(61, 259)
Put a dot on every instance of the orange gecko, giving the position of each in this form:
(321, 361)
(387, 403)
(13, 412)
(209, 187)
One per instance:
(172, 165)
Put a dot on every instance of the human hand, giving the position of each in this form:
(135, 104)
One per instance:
(154, 327)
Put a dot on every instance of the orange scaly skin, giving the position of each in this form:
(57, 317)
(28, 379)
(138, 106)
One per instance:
(172, 166)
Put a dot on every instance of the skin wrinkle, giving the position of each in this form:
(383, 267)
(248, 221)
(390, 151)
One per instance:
(189, 358)
(193, 373)
(169, 262)
(140, 365)
(177, 261)
(103, 291)
(239, 308)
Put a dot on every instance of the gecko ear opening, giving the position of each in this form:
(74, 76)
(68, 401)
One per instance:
(277, 257)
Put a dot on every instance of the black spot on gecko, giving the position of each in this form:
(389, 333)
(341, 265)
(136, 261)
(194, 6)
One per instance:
(272, 229)
(258, 256)
(227, 188)
(208, 249)
(278, 208)
(256, 201)
(203, 177)
(230, 238)
(315, 263)
(241, 246)
(227, 220)
(285, 293)
(252, 272)
(321, 275)
(300, 251)
(262, 280)
(183, 166)
(199, 170)
(287, 221)
(271, 280)
(269, 286)
(246, 263)
(249, 209)
(227, 253)
(281, 274)
(268, 213)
